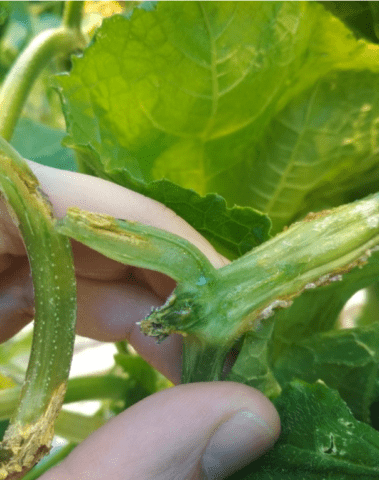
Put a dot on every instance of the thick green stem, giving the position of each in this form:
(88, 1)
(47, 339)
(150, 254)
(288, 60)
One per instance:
(314, 252)
(31, 430)
(72, 15)
(21, 77)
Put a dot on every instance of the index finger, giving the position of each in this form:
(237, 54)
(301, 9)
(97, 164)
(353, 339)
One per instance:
(67, 189)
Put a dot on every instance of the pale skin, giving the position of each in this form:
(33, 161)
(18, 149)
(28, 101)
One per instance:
(165, 435)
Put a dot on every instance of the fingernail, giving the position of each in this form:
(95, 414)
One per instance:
(235, 444)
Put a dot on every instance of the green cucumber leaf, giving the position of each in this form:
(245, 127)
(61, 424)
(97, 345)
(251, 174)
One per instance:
(232, 231)
(320, 440)
(185, 92)
(14, 354)
(3, 426)
(346, 360)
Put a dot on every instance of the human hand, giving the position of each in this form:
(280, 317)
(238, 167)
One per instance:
(165, 435)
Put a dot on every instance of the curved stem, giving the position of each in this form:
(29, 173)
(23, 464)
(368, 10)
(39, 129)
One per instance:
(31, 430)
(24, 72)
(72, 15)
(136, 244)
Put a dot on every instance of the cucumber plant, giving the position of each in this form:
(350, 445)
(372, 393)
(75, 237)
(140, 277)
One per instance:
(258, 123)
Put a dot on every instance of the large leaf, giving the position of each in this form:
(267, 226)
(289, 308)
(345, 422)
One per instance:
(320, 440)
(185, 92)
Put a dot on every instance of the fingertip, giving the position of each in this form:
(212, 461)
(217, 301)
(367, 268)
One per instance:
(166, 435)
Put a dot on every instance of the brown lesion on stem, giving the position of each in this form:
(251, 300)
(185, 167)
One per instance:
(29, 182)
(25, 445)
(285, 301)
(315, 215)
(106, 223)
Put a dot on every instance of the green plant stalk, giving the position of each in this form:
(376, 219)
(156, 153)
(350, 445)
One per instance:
(30, 432)
(72, 15)
(94, 387)
(28, 66)
(211, 308)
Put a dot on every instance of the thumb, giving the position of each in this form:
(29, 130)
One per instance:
(188, 432)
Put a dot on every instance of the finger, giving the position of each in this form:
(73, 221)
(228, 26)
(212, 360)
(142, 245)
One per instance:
(16, 298)
(10, 239)
(165, 436)
(67, 189)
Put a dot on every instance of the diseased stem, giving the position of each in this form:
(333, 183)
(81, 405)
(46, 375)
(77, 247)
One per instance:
(31, 430)
(211, 308)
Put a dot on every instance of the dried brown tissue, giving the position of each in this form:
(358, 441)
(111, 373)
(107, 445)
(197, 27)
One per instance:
(28, 444)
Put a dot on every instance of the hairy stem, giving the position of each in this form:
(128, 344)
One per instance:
(30, 432)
